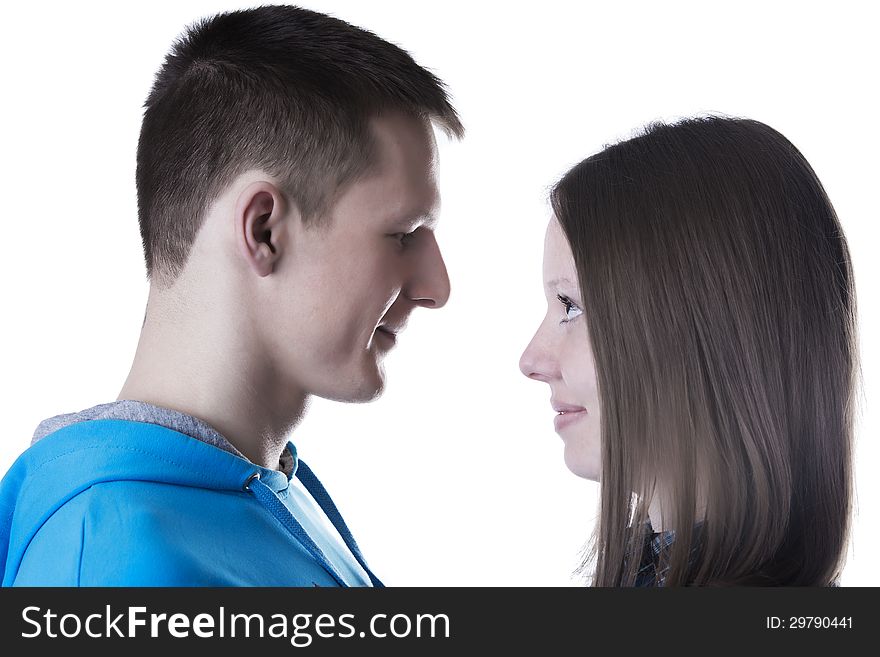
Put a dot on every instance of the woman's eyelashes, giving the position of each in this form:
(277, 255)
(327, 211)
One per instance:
(571, 308)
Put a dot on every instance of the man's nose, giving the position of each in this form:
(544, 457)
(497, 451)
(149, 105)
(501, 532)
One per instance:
(429, 287)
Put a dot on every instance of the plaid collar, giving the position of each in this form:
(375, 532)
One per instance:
(649, 573)
(655, 544)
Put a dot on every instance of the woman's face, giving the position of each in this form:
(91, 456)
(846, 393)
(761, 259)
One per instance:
(560, 356)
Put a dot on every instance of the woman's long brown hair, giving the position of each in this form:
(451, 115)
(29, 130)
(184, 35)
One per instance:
(720, 306)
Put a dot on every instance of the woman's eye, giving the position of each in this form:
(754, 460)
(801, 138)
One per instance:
(571, 309)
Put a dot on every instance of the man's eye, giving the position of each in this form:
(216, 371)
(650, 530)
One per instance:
(571, 309)
(404, 238)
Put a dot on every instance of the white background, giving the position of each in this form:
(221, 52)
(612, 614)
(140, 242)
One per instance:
(455, 476)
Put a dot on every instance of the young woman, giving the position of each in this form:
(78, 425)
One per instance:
(700, 346)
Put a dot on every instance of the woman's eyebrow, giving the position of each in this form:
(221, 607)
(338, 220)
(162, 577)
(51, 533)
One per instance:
(557, 281)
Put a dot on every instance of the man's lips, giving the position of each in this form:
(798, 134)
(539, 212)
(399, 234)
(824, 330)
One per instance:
(386, 335)
(394, 327)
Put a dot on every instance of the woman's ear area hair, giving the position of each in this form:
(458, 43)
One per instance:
(261, 217)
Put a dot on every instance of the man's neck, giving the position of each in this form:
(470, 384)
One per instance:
(203, 369)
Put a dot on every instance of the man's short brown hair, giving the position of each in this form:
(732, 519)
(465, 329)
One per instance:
(279, 88)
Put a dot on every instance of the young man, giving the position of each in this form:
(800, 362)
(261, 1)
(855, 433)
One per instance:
(287, 202)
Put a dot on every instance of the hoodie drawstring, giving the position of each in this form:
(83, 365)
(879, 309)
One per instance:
(316, 490)
(281, 513)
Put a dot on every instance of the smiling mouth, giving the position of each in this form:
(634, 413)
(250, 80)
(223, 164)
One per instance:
(563, 419)
(387, 337)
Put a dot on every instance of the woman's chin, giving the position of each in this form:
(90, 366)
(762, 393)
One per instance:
(586, 466)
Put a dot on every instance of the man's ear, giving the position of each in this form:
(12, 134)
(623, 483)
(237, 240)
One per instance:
(261, 225)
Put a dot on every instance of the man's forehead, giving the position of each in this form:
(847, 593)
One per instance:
(400, 136)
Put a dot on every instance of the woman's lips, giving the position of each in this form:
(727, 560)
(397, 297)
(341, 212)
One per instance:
(566, 417)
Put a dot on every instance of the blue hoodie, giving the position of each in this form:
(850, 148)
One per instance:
(118, 502)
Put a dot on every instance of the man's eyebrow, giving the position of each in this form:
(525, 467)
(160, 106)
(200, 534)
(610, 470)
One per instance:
(428, 219)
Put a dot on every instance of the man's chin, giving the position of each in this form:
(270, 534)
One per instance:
(366, 389)
(367, 395)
